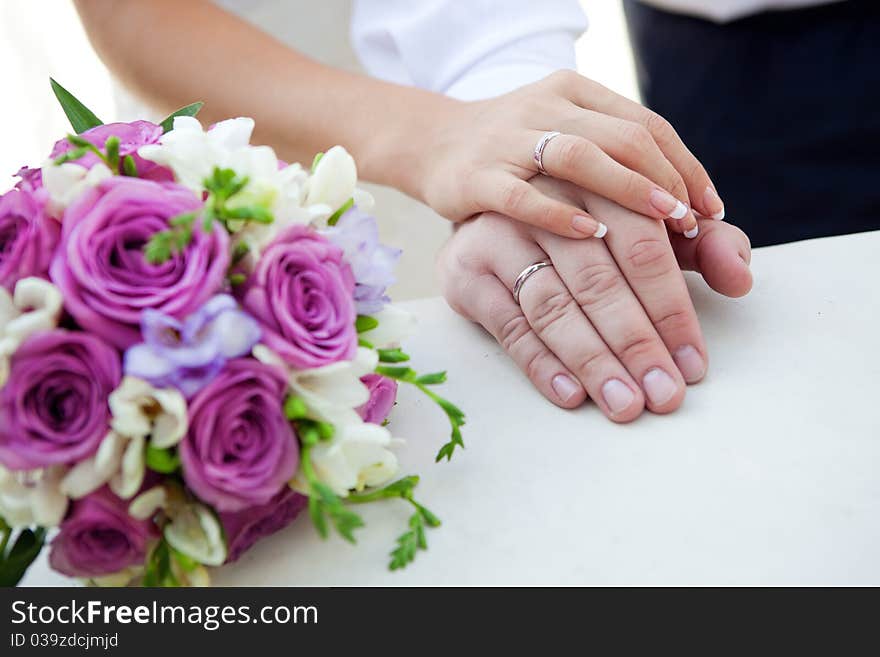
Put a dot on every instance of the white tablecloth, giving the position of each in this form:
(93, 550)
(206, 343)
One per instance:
(767, 475)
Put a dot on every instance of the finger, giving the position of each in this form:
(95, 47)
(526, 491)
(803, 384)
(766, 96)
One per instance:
(701, 191)
(632, 145)
(489, 303)
(506, 194)
(603, 295)
(721, 253)
(560, 324)
(643, 253)
(584, 163)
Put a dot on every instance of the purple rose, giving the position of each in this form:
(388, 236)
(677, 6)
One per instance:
(98, 537)
(240, 449)
(27, 236)
(100, 266)
(29, 178)
(302, 291)
(131, 137)
(373, 263)
(53, 408)
(383, 394)
(246, 527)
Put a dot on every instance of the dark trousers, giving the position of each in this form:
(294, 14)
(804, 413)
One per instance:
(783, 109)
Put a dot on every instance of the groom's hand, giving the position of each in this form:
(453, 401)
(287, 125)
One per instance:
(612, 318)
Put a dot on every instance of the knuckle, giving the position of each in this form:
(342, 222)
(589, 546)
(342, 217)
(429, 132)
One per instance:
(514, 195)
(676, 321)
(659, 127)
(637, 137)
(512, 332)
(595, 283)
(573, 153)
(588, 364)
(650, 257)
(535, 365)
(550, 309)
(637, 347)
(562, 78)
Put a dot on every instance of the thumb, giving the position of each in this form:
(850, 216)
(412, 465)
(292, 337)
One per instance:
(721, 252)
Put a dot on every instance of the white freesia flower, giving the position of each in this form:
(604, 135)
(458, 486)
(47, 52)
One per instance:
(357, 456)
(334, 179)
(67, 182)
(332, 392)
(196, 531)
(118, 579)
(32, 497)
(193, 528)
(139, 411)
(395, 325)
(34, 306)
(192, 153)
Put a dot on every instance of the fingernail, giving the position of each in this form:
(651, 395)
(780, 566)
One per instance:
(601, 231)
(692, 233)
(617, 395)
(713, 203)
(585, 225)
(667, 204)
(564, 387)
(659, 386)
(689, 363)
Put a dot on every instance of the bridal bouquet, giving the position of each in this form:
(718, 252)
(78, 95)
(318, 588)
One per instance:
(195, 345)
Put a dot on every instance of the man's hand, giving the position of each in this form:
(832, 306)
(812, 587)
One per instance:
(612, 318)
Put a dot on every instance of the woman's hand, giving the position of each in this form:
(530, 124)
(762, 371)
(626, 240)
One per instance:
(611, 319)
(481, 155)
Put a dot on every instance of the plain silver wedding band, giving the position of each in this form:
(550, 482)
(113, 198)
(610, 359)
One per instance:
(545, 139)
(524, 275)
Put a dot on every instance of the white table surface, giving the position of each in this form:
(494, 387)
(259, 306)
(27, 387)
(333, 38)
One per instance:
(767, 475)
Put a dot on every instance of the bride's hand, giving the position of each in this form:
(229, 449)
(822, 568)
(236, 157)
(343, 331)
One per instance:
(479, 158)
(611, 319)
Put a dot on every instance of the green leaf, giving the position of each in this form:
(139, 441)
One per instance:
(251, 213)
(192, 109)
(22, 554)
(334, 218)
(392, 356)
(129, 168)
(409, 543)
(317, 516)
(160, 460)
(365, 323)
(81, 117)
(400, 373)
(70, 156)
(431, 379)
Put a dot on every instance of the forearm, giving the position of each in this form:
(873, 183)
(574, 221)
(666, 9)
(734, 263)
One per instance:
(301, 106)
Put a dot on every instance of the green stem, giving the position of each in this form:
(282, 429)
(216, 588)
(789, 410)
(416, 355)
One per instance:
(6, 530)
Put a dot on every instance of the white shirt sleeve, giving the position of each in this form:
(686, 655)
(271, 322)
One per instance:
(468, 49)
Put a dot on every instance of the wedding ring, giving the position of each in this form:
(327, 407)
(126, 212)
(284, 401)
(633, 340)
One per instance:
(524, 274)
(539, 149)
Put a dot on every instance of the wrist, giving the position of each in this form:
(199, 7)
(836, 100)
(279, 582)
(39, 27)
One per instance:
(400, 149)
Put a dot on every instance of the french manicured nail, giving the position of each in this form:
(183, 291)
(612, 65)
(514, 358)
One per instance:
(564, 387)
(713, 204)
(588, 226)
(692, 233)
(659, 386)
(617, 395)
(689, 363)
(667, 204)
